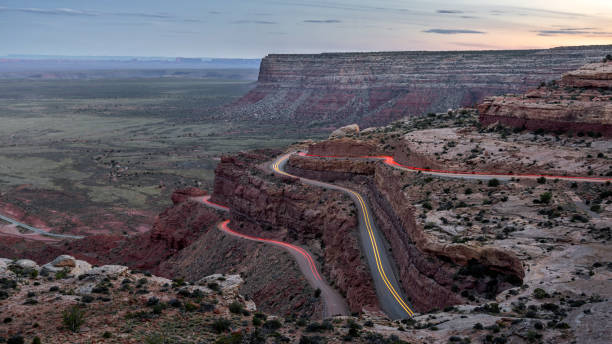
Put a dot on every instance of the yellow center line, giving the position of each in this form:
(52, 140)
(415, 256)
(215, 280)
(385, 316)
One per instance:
(379, 266)
(381, 269)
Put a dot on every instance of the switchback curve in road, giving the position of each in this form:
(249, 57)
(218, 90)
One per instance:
(334, 303)
(388, 289)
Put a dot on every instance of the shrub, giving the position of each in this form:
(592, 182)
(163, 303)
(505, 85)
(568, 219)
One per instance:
(190, 307)
(539, 293)
(221, 325)
(326, 325)
(578, 217)
(36, 340)
(73, 318)
(236, 307)
(87, 298)
(541, 180)
(493, 182)
(152, 301)
(317, 292)
(272, 325)
(62, 274)
(491, 308)
(158, 309)
(545, 197)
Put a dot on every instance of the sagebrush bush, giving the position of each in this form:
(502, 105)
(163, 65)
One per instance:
(73, 318)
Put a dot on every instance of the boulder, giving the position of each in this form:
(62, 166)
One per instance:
(227, 283)
(345, 131)
(4, 271)
(27, 264)
(73, 266)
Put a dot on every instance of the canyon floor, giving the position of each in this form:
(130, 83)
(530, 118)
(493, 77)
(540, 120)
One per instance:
(88, 157)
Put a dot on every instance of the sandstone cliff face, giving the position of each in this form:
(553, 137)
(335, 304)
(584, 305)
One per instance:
(377, 88)
(427, 268)
(581, 102)
(344, 147)
(597, 75)
(263, 205)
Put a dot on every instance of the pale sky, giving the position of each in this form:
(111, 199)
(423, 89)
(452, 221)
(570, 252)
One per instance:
(254, 28)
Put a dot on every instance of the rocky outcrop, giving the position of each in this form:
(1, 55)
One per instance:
(344, 131)
(67, 263)
(580, 102)
(335, 89)
(182, 195)
(324, 221)
(343, 147)
(329, 169)
(598, 75)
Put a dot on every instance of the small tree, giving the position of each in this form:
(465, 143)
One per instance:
(73, 318)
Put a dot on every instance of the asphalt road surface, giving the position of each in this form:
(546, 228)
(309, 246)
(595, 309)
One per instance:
(390, 296)
(38, 230)
(334, 303)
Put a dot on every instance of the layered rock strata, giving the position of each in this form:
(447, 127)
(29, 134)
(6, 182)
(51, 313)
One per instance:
(580, 102)
(335, 89)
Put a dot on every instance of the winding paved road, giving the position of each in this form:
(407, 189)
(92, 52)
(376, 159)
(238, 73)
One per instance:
(334, 303)
(38, 230)
(387, 287)
(388, 290)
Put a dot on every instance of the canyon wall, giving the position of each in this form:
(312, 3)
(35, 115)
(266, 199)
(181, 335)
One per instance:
(433, 274)
(333, 89)
(279, 208)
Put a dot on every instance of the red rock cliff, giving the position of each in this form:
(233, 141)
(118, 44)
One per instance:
(580, 102)
(267, 206)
